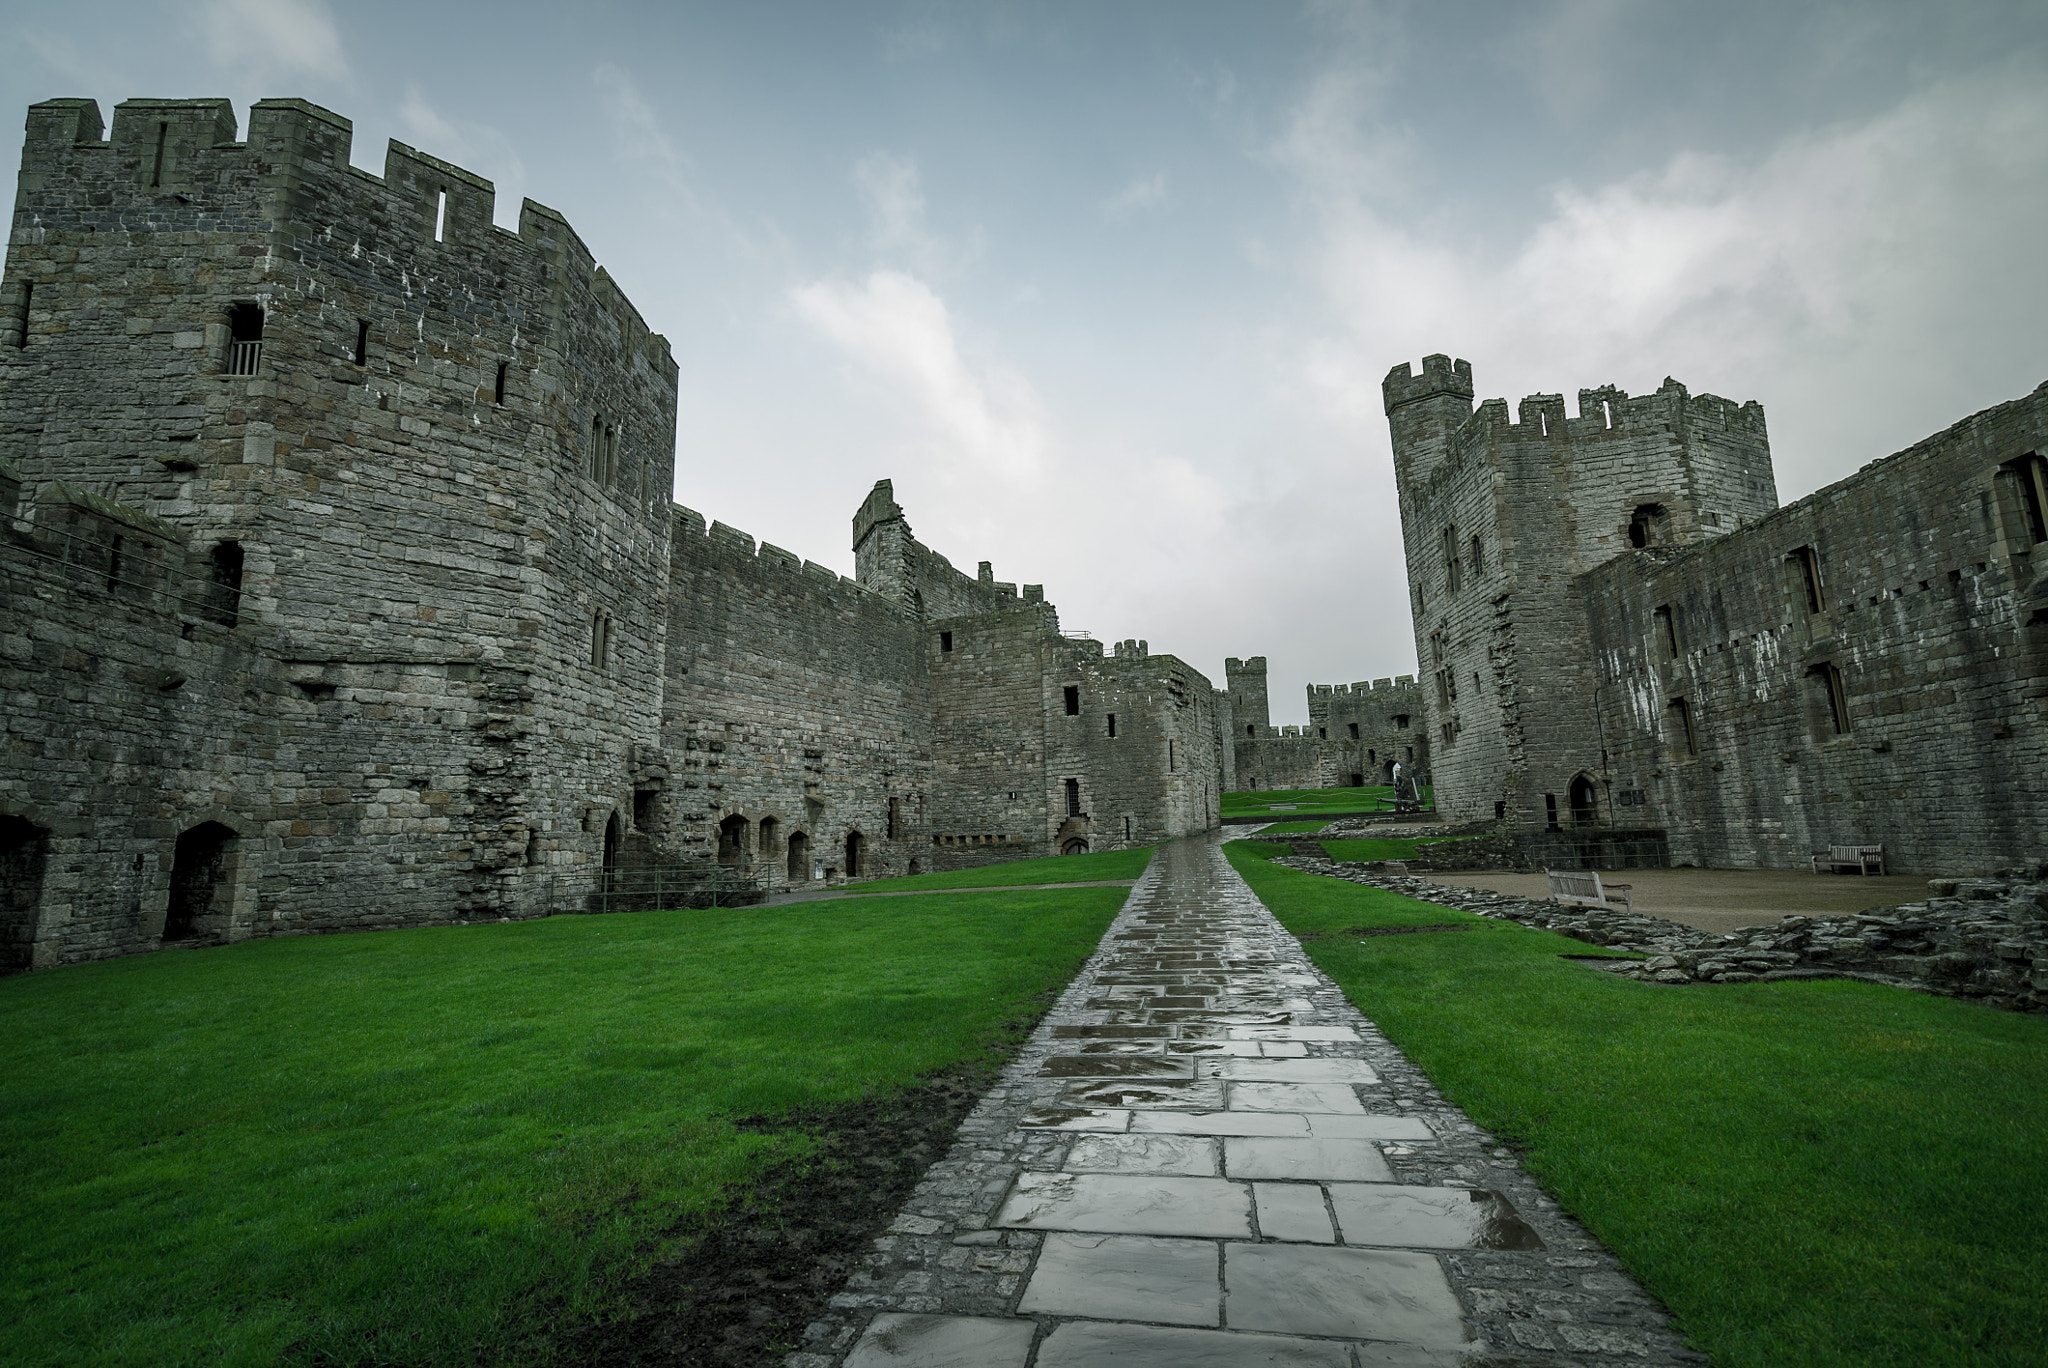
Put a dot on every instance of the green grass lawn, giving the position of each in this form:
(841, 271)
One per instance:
(1257, 802)
(421, 1146)
(1106, 864)
(1824, 1173)
(1383, 847)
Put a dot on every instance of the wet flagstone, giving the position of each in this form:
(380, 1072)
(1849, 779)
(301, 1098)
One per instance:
(1206, 1158)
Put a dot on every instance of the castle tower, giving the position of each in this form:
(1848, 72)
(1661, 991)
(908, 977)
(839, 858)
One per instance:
(1499, 517)
(429, 458)
(1245, 682)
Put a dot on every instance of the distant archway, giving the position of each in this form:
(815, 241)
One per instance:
(1583, 798)
(199, 869)
(799, 857)
(1076, 846)
(24, 854)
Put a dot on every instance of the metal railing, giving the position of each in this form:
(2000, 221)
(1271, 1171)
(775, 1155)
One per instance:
(244, 356)
(651, 890)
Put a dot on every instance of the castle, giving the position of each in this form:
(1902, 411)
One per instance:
(1356, 733)
(1621, 631)
(340, 584)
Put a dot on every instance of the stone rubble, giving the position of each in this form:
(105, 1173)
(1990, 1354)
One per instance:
(1982, 939)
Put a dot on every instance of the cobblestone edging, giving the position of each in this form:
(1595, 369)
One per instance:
(1981, 939)
(1568, 1302)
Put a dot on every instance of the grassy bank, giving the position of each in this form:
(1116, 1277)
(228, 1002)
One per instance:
(1258, 802)
(1107, 864)
(1825, 1173)
(416, 1146)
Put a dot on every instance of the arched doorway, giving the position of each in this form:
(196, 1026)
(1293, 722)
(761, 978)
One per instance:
(24, 854)
(1076, 846)
(853, 854)
(764, 841)
(799, 857)
(610, 869)
(732, 840)
(1583, 798)
(199, 876)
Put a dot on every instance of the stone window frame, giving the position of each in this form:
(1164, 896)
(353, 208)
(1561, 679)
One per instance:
(1834, 690)
(1685, 743)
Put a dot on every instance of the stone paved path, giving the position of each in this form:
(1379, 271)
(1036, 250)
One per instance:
(1205, 1158)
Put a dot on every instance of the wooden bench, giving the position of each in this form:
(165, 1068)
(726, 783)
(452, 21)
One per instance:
(1863, 859)
(1582, 888)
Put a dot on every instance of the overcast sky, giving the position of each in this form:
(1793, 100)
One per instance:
(1108, 288)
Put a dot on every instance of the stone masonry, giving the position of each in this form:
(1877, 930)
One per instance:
(1355, 735)
(340, 585)
(1619, 627)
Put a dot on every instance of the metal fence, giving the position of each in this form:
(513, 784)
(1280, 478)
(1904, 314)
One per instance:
(649, 890)
(243, 357)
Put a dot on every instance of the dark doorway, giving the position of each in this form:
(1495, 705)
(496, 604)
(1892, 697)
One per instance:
(799, 857)
(199, 868)
(916, 867)
(1584, 799)
(1076, 846)
(610, 872)
(1649, 526)
(1357, 780)
(224, 583)
(765, 841)
(853, 854)
(732, 839)
(24, 854)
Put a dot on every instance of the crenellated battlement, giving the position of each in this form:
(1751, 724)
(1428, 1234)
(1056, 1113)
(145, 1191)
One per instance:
(172, 161)
(1440, 376)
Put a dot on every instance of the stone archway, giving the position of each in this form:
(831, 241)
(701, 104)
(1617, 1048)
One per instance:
(799, 857)
(609, 870)
(1074, 846)
(24, 855)
(1583, 797)
(732, 840)
(200, 884)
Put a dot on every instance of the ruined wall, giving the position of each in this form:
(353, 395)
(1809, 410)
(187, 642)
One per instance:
(1355, 733)
(1934, 614)
(1497, 518)
(795, 701)
(392, 488)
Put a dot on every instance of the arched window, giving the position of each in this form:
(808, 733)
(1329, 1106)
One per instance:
(199, 878)
(24, 855)
(601, 641)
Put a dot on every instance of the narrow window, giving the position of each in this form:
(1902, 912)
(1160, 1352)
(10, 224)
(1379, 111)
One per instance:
(156, 175)
(1453, 576)
(1112, 724)
(1828, 680)
(362, 341)
(894, 809)
(245, 338)
(611, 455)
(600, 640)
(1073, 797)
(1323, 733)
(224, 574)
(1682, 737)
(28, 294)
(1127, 828)
(1667, 636)
(1073, 695)
(114, 565)
(1807, 566)
(1478, 557)
(2029, 475)
(1400, 721)
(497, 395)
(1354, 736)
(440, 213)
(1251, 730)
(1550, 812)
(945, 641)
(1169, 755)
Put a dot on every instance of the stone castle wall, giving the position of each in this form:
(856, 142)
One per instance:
(1632, 643)
(474, 657)
(1356, 733)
